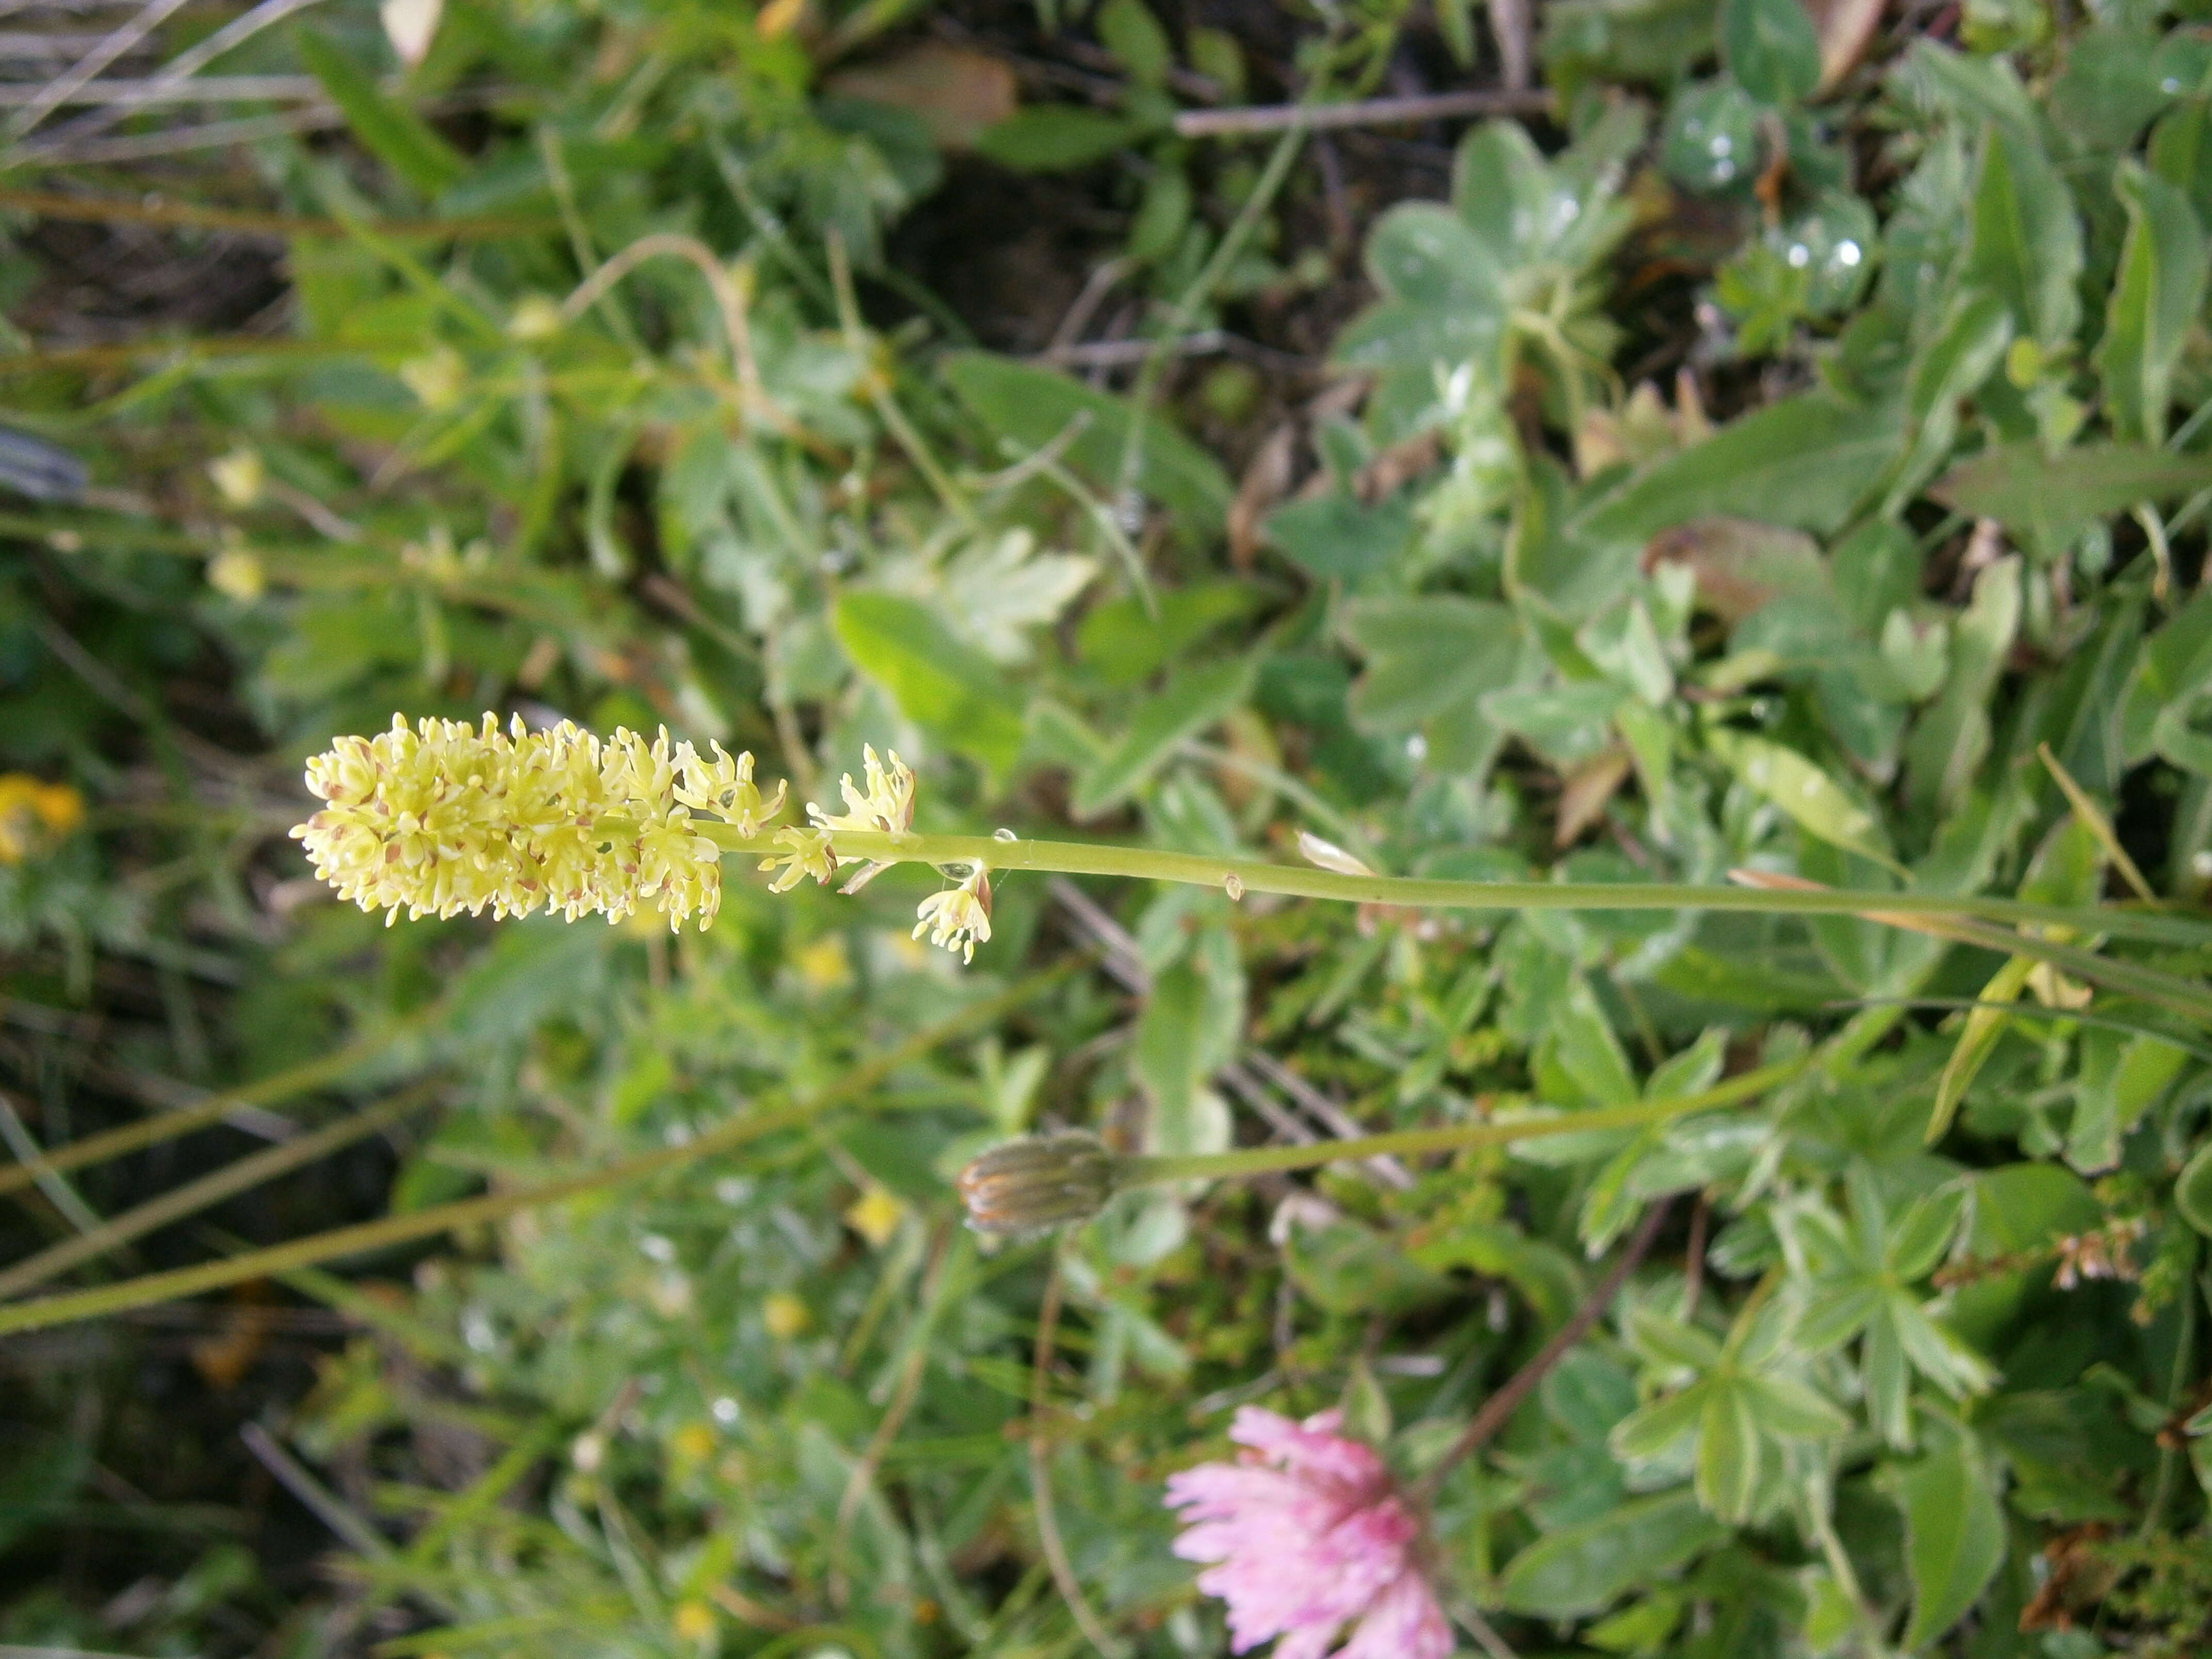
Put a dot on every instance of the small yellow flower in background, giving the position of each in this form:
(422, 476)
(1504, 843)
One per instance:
(534, 318)
(822, 965)
(875, 1215)
(437, 378)
(236, 573)
(785, 1315)
(959, 919)
(34, 814)
(694, 1621)
(779, 17)
(238, 476)
(692, 1444)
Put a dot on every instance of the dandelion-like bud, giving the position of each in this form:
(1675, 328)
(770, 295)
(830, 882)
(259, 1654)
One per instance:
(1038, 1182)
(958, 919)
(444, 816)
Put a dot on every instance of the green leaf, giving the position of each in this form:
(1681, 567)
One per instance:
(2022, 1206)
(1974, 334)
(2152, 305)
(1580, 1569)
(41, 1477)
(1444, 300)
(1053, 138)
(1192, 701)
(1805, 462)
(1187, 1031)
(2026, 243)
(939, 682)
(1952, 739)
(2051, 498)
(1954, 1534)
(1665, 1341)
(1123, 641)
(1132, 33)
(1030, 408)
(1978, 1038)
(1789, 1410)
(1730, 1451)
(1426, 655)
(2121, 1076)
(1350, 1269)
(1923, 1233)
(390, 131)
(1651, 1430)
(1771, 48)
(2192, 1191)
(1813, 799)
(1336, 537)
(2181, 152)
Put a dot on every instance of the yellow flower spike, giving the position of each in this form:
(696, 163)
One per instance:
(443, 816)
(958, 919)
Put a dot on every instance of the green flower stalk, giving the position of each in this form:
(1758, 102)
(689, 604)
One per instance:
(442, 818)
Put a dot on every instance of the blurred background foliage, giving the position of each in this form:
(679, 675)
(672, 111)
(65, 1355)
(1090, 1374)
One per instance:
(1763, 435)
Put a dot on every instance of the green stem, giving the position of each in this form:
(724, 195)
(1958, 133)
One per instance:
(281, 1085)
(2185, 1344)
(1458, 1136)
(378, 1235)
(209, 1189)
(1298, 881)
(1155, 365)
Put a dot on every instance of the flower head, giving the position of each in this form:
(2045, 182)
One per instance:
(1038, 1182)
(724, 786)
(806, 853)
(1308, 1536)
(886, 807)
(444, 816)
(958, 919)
(34, 815)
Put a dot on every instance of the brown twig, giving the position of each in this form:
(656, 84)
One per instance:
(1497, 1411)
(1366, 113)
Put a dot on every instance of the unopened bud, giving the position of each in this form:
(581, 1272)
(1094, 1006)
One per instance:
(1038, 1182)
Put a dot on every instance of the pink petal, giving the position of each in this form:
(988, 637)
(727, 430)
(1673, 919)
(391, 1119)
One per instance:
(1404, 1622)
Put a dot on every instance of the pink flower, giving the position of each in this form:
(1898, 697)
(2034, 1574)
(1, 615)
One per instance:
(1309, 1536)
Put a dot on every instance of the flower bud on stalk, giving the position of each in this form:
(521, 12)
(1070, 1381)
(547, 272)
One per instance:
(1038, 1182)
